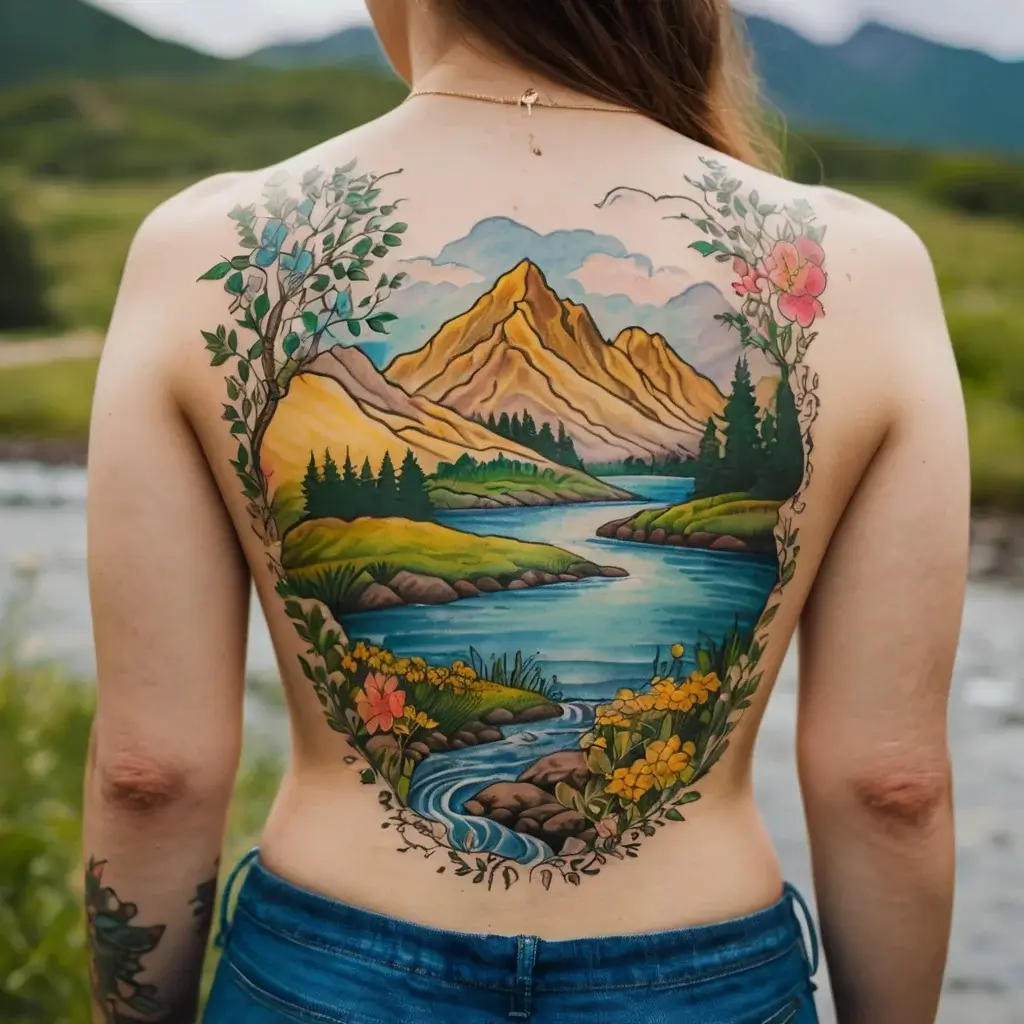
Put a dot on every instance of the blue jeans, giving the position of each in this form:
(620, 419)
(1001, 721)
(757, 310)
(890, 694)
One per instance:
(291, 955)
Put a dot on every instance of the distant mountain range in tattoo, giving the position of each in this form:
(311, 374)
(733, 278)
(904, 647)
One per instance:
(519, 350)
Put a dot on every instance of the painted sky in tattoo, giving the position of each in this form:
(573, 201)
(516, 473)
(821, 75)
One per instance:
(530, 499)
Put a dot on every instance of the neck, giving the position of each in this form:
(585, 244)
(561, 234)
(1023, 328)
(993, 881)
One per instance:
(463, 66)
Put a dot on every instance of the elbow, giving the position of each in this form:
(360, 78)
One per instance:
(147, 784)
(904, 798)
(903, 794)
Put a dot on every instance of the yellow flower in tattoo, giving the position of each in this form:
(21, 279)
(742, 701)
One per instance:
(668, 758)
(669, 697)
(677, 651)
(349, 664)
(631, 783)
(609, 715)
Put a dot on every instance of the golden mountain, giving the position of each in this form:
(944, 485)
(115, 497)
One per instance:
(521, 347)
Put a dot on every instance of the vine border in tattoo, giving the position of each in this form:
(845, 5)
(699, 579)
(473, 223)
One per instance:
(291, 299)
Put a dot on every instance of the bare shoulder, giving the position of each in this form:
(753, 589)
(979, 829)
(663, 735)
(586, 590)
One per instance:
(189, 221)
(881, 282)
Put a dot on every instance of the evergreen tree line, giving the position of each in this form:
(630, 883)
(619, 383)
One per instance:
(501, 468)
(634, 465)
(345, 494)
(762, 455)
(544, 440)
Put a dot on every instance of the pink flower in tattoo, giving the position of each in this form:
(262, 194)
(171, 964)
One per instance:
(750, 278)
(380, 703)
(795, 268)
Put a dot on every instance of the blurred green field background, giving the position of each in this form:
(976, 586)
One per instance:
(83, 162)
(45, 718)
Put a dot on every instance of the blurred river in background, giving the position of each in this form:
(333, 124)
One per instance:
(42, 535)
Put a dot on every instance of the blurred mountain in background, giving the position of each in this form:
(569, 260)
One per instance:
(894, 87)
(355, 45)
(880, 83)
(69, 38)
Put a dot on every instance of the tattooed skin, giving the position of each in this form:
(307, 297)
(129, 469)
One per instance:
(203, 903)
(118, 947)
(423, 444)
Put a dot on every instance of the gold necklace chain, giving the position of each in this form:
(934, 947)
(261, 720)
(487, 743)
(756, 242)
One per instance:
(529, 99)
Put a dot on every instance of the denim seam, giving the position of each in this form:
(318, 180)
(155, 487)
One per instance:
(276, 1004)
(791, 1009)
(321, 947)
(684, 982)
(269, 1001)
(796, 998)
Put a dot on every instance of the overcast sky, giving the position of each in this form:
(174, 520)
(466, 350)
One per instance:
(232, 27)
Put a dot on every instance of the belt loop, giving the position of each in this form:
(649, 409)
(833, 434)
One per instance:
(812, 960)
(522, 996)
(225, 896)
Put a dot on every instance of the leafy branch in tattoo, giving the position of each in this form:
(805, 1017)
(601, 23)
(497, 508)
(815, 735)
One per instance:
(203, 904)
(117, 949)
(290, 287)
(401, 465)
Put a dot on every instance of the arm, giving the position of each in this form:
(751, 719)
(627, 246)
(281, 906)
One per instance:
(878, 639)
(170, 603)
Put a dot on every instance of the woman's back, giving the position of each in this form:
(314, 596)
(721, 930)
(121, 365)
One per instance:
(539, 429)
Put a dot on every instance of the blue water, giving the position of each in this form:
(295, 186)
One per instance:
(444, 782)
(595, 636)
(600, 634)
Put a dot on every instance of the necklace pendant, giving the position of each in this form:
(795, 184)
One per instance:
(528, 99)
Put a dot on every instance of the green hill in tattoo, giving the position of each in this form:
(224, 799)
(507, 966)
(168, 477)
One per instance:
(380, 563)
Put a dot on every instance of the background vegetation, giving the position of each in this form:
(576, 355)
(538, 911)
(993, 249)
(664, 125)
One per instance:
(45, 719)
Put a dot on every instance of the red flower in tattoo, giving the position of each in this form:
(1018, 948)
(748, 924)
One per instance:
(380, 702)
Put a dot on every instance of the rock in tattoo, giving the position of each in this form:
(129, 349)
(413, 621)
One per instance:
(530, 497)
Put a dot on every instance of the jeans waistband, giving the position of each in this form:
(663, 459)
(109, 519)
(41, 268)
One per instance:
(678, 957)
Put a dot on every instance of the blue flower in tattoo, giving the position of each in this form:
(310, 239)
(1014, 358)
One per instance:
(275, 234)
(298, 263)
(343, 304)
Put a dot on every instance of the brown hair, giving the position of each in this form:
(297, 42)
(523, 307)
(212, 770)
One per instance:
(684, 63)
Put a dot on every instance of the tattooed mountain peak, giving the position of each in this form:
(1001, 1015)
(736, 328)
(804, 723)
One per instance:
(344, 396)
(523, 347)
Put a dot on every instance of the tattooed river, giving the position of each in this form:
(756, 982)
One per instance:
(42, 539)
(598, 635)
(591, 638)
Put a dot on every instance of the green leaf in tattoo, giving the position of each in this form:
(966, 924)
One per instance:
(202, 904)
(118, 947)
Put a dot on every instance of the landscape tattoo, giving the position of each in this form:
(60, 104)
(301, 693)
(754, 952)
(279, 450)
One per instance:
(533, 566)
(118, 947)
